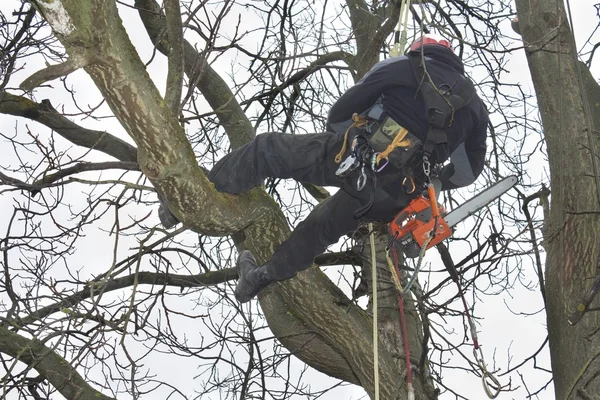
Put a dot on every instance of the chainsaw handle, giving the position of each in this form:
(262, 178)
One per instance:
(435, 211)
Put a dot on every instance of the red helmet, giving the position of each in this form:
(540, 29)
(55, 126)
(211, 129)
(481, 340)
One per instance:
(430, 38)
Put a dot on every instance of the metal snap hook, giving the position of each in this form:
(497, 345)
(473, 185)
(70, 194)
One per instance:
(362, 180)
(491, 385)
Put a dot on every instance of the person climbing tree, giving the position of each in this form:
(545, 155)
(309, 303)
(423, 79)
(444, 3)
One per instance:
(384, 134)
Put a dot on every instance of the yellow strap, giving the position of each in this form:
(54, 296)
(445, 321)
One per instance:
(398, 141)
(359, 122)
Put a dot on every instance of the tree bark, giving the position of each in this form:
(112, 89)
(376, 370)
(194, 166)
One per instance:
(573, 225)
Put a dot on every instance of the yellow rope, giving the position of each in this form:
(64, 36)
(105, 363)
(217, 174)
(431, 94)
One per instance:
(359, 122)
(398, 141)
(375, 334)
(393, 271)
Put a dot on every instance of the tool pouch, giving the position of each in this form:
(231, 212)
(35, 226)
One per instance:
(383, 133)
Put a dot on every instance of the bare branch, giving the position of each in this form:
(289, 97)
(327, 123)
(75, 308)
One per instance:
(50, 365)
(143, 278)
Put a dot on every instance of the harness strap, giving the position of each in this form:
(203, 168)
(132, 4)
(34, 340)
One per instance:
(441, 102)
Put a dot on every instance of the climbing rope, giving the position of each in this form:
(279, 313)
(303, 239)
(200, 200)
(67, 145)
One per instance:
(395, 272)
(375, 334)
(490, 383)
(400, 38)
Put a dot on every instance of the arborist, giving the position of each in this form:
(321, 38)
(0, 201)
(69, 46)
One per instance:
(384, 136)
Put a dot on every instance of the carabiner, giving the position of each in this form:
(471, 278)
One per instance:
(491, 384)
(375, 162)
(362, 179)
(413, 187)
(426, 167)
(492, 389)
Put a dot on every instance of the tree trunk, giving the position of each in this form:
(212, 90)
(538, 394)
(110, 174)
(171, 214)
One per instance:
(571, 229)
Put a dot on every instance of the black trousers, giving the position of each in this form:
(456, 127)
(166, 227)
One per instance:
(309, 158)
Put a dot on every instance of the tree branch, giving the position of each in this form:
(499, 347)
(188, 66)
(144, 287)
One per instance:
(175, 55)
(143, 278)
(50, 365)
(215, 90)
(51, 178)
(339, 258)
(45, 114)
(52, 72)
(83, 167)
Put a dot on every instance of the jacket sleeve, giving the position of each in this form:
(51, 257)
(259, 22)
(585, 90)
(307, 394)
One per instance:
(467, 160)
(361, 96)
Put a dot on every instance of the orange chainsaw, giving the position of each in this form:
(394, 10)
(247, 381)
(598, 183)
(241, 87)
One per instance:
(422, 225)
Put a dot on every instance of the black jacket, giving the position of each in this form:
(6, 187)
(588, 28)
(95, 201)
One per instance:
(394, 84)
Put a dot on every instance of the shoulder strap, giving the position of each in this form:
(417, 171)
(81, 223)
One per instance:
(441, 102)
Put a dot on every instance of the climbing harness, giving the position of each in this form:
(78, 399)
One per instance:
(371, 151)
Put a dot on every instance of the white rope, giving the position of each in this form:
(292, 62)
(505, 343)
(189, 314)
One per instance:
(375, 334)
(400, 35)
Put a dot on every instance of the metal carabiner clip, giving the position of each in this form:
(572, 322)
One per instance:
(426, 167)
(375, 167)
(361, 182)
(491, 384)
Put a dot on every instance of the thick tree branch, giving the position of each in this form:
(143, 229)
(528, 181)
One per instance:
(45, 114)
(52, 72)
(164, 153)
(50, 365)
(207, 80)
(175, 55)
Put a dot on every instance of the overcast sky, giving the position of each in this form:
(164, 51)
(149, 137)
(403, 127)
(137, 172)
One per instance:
(504, 331)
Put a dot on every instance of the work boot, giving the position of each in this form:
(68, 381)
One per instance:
(251, 278)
